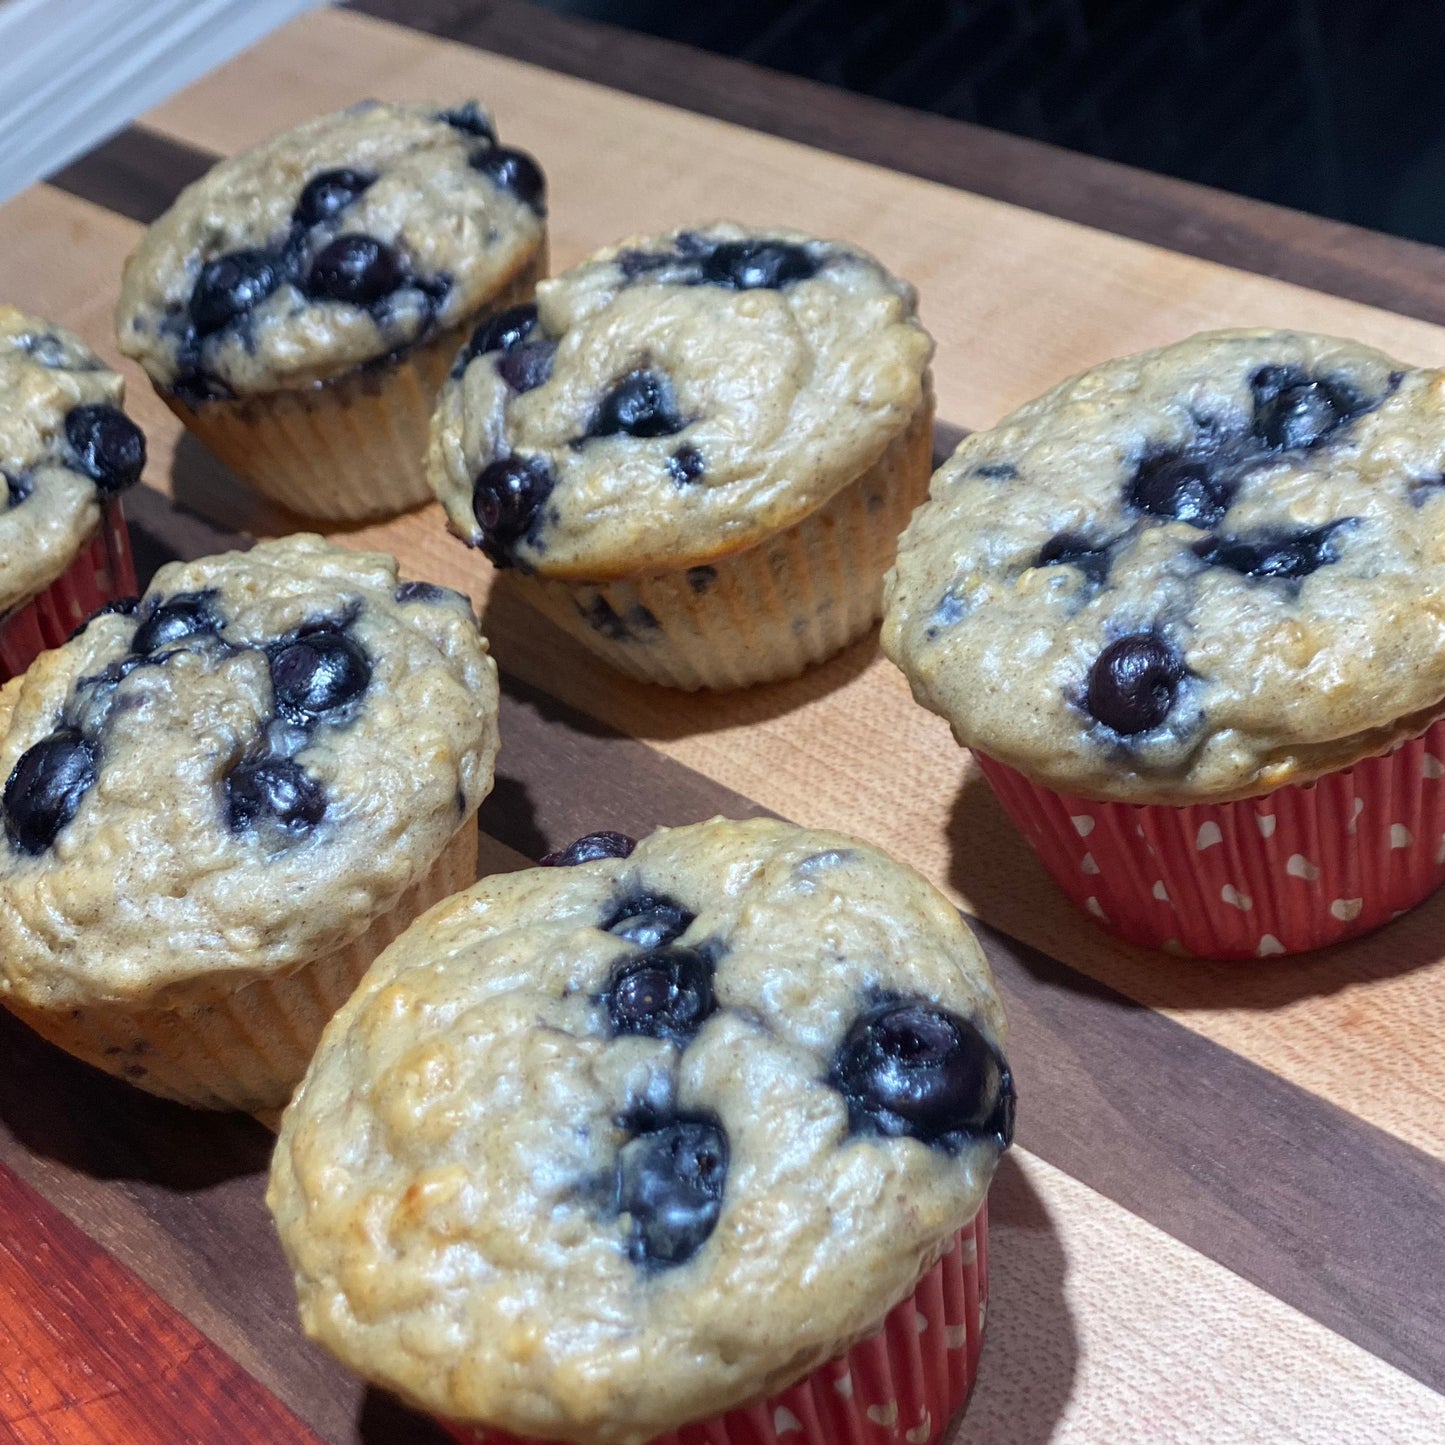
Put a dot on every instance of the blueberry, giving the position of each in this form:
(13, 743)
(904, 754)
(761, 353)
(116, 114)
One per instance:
(949, 609)
(914, 1069)
(317, 674)
(514, 171)
(526, 367)
(232, 286)
(685, 465)
(328, 194)
(18, 487)
(670, 1180)
(357, 269)
(499, 332)
(424, 592)
(1182, 487)
(757, 265)
(996, 471)
(192, 383)
(640, 405)
(1421, 489)
(603, 617)
(589, 848)
(648, 920)
(275, 788)
(435, 289)
(186, 614)
(1069, 549)
(470, 119)
(1133, 683)
(119, 607)
(506, 498)
(109, 447)
(634, 263)
(664, 994)
(50, 351)
(45, 787)
(1294, 412)
(1289, 555)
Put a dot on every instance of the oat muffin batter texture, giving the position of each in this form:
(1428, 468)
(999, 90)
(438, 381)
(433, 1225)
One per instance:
(597, 1150)
(675, 399)
(230, 783)
(344, 241)
(65, 446)
(1193, 574)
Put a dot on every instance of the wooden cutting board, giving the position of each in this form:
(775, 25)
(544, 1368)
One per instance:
(1222, 1221)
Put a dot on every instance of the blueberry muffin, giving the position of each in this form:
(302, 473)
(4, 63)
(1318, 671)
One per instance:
(1196, 576)
(221, 803)
(695, 451)
(298, 306)
(598, 1150)
(67, 452)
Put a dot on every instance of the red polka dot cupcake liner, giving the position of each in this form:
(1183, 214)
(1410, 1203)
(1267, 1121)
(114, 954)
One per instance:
(1288, 871)
(102, 572)
(901, 1386)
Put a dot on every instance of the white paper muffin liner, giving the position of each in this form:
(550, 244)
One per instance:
(249, 1049)
(763, 614)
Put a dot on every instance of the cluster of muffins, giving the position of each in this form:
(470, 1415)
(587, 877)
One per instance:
(684, 1141)
(713, 1116)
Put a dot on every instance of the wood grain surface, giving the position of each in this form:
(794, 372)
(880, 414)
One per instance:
(1223, 1219)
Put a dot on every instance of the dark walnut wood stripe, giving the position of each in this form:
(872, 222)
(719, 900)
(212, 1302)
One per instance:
(136, 173)
(1330, 256)
(90, 1355)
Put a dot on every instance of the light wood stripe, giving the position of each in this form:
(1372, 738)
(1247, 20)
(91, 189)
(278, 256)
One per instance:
(1150, 1343)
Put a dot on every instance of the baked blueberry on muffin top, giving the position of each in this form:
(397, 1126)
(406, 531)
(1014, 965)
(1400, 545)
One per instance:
(675, 398)
(347, 240)
(1197, 573)
(615, 1144)
(65, 446)
(234, 775)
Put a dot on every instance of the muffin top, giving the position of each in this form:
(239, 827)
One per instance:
(344, 241)
(1191, 575)
(65, 445)
(237, 775)
(674, 399)
(596, 1150)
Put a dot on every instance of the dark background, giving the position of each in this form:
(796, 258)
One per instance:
(1330, 106)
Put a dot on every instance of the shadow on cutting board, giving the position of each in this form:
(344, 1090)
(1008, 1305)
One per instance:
(1030, 1347)
(386, 1421)
(57, 1108)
